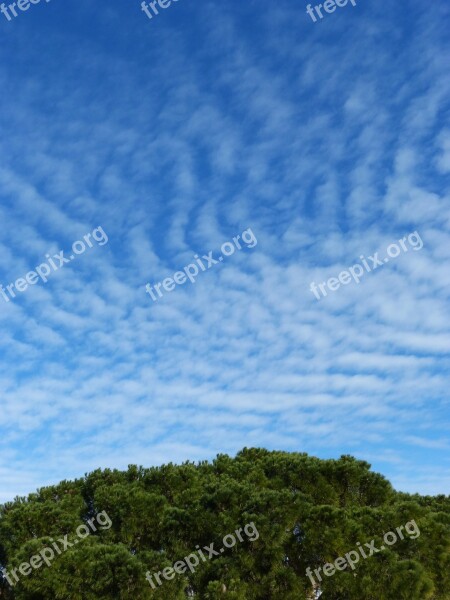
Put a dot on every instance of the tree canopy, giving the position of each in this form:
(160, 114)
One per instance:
(308, 512)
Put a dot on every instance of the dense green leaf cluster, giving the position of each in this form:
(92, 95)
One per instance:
(308, 512)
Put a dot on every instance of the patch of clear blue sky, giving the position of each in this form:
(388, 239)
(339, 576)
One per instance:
(330, 140)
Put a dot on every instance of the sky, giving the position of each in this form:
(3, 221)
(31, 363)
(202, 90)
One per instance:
(319, 143)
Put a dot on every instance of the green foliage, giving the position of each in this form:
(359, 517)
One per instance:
(307, 511)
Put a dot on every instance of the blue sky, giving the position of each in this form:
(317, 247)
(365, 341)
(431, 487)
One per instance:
(330, 140)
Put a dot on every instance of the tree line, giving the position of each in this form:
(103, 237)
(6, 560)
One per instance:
(308, 512)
